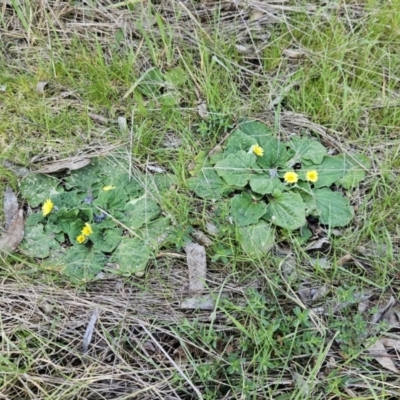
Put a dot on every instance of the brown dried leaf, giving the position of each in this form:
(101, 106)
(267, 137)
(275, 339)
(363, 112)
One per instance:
(10, 206)
(197, 263)
(98, 118)
(378, 351)
(72, 164)
(387, 342)
(14, 234)
(201, 238)
(390, 313)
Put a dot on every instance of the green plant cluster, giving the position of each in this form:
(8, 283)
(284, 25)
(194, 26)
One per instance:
(119, 209)
(258, 195)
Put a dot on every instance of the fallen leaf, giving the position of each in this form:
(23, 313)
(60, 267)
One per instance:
(241, 49)
(40, 87)
(155, 168)
(201, 238)
(256, 15)
(202, 110)
(87, 337)
(98, 118)
(123, 125)
(390, 313)
(197, 263)
(212, 229)
(14, 234)
(378, 351)
(294, 53)
(10, 206)
(16, 169)
(72, 164)
(346, 259)
(320, 244)
(387, 342)
(206, 302)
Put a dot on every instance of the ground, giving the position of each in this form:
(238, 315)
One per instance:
(164, 80)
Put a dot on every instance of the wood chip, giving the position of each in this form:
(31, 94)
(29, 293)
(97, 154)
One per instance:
(72, 164)
(197, 263)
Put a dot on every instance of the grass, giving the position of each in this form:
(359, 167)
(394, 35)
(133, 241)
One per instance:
(332, 70)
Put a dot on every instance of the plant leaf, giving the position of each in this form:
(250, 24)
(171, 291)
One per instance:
(111, 200)
(275, 153)
(140, 211)
(245, 211)
(84, 178)
(238, 141)
(287, 211)
(334, 209)
(132, 256)
(258, 130)
(37, 242)
(355, 169)
(208, 185)
(82, 263)
(264, 184)
(256, 240)
(106, 240)
(36, 188)
(329, 171)
(303, 149)
(236, 168)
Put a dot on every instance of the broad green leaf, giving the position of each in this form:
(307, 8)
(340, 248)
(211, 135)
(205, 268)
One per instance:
(110, 200)
(287, 211)
(236, 169)
(37, 242)
(264, 184)
(66, 199)
(302, 149)
(82, 263)
(304, 235)
(310, 204)
(257, 130)
(132, 255)
(208, 185)
(63, 218)
(140, 211)
(105, 240)
(334, 209)
(238, 141)
(329, 171)
(245, 211)
(34, 218)
(135, 188)
(200, 161)
(84, 178)
(275, 153)
(157, 231)
(151, 82)
(163, 182)
(356, 166)
(37, 188)
(256, 240)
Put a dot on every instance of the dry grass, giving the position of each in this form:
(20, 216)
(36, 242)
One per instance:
(240, 58)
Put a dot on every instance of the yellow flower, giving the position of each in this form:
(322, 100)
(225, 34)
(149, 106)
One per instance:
(107, 188)
(48, 205)
(291, 177)
(257, 150)
(312, 176)
(86, 230)
(81, 239)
